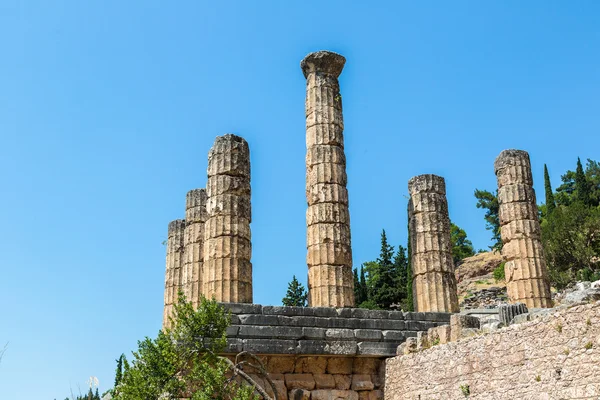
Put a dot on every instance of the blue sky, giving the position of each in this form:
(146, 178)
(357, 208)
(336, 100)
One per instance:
(108, 110)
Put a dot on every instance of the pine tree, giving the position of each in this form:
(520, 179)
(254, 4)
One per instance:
(581, 184)
(550, 203)
(383, 291)
(296, 294)
(401, 266)
(489, 201)
(461, 246)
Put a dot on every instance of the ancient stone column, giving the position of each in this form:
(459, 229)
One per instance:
(195, 217)
(173, 275)
(329, 257)
(434, 283)
(525, 268)
(227, 270)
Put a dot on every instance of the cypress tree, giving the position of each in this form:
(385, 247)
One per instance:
(363, 286)
(400, 266)
(582, 186)
(550, 203)
(409, 279)
(119, 370)
(356, 287)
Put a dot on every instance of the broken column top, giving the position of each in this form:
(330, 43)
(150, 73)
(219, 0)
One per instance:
(195, 206)
(176, 226)
(427, 183)
(229, 155)
(510, 158)
(323, 61)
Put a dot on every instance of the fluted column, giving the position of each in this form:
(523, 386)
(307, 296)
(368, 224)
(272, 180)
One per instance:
(329, 255)
(434, 283)
(227, 270)
(525, 268)
(173, 275)
(195, 217)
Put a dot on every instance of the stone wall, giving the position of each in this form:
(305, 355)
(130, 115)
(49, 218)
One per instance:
(554, 357)
(324, 353)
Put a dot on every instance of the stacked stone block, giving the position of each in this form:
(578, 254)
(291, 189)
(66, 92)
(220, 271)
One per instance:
(525, 268)
(329, 255)
(195, 216)
(173, 274)
(434, 282)
(227, 270)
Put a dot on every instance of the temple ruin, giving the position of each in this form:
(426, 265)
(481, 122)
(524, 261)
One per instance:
(331, 350)
(525, 268)
(434, 283)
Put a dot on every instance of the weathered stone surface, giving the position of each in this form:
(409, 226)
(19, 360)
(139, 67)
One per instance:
(174, 266)
(334, 395)
(434, 282)
(324, 381)
(362, 382)
(329, 255)
(525, 269)
(342, 382)
(227, 270)
(460, 325)
(300, 381)
(383, 349)
(553, 357)
(299, 394)
(312, 365)
(507, 312)
(339, 365)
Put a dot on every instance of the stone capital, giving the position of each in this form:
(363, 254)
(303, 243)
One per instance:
(326, 62)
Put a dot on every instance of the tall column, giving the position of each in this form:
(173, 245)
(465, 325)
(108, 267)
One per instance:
(173, 275)
(434, 283)
(227, 270)
(195, 217)
(525, 268)
(329, 258)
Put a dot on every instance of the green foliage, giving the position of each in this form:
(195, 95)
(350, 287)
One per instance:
(465, 390)
(489, 202)
(360, 287)
(119, 370)
(296, 294)
(461, 246)
(383, 283)
(550, 202)
(183, 359)
(499, 273)
(582, 188)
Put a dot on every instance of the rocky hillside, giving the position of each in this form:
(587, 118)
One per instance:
(477, 287)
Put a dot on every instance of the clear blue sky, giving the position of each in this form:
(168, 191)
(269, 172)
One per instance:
(108, 110)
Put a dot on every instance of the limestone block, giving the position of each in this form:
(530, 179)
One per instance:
(507, 312)
(524, 268)
(329, 253)
(460, 323)
(342, 381)
(521, 229)
(426, 202)
(326, 193)
(334, 395)
(227, 184)
(432, 261)
(362, 382)
(430, 222)
(431, 241)
(229, 204)
(410, 346)
(195, 206)
(513, 166)
(325, 135)
(325, 154)
(282, 393)
(516, 249)
(365, 366)
(339, 365)
(324, 381)
(311, 365)
(300, 381)
(326, 173)
(517, 211)
(435, 291)
(328, 213)
(517, 192)
(227, 247)
(280, 365)
(228, 225)
(327, 233)
(174, 266)
(230, 155)
(326, 63)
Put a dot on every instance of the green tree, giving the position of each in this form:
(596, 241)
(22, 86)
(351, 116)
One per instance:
(184, 360)
(119, 370)
(581, 184)
(409, 279)
(383, 277)
(357, 299)
(550, 203)
(296, 294)
(461, 246)
(489, 202)
(363, 287)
